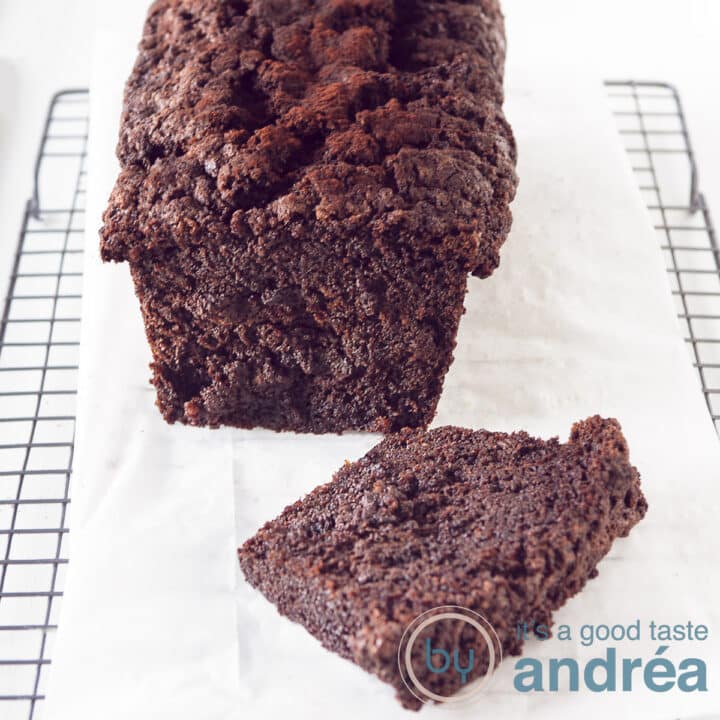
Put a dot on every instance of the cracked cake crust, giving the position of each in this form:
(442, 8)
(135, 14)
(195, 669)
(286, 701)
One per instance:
(305, 186)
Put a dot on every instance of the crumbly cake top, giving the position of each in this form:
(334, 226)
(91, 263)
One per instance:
(251, 123)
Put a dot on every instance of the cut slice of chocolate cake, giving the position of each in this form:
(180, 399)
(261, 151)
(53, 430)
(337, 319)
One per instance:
(305, 187)
(507, 526)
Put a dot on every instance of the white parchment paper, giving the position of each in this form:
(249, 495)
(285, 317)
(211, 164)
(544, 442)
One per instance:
(148, 629)
(577, 320)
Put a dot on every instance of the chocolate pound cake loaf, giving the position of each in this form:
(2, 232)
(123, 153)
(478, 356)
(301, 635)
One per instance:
(507, 526)
(305, 186)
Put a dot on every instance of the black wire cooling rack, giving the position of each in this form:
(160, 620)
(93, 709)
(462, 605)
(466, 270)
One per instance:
(652, 123)
(39, 337)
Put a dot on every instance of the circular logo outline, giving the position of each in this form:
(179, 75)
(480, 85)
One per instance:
(449, 612)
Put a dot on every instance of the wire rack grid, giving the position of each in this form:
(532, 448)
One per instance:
(652, 123)
(39, 335)
(39, 338)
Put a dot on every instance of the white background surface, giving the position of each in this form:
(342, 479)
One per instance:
(85, 683)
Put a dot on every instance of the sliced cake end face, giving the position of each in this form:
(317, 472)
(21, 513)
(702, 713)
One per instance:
(507, 526)
(300, 340)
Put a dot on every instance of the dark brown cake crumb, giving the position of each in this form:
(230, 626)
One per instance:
(506, 525)
(305, 186)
